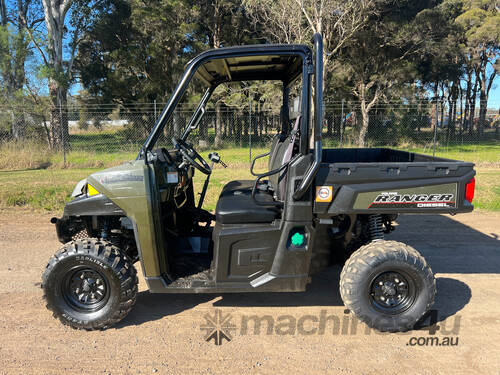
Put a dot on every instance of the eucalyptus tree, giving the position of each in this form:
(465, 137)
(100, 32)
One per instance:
(56, 45)
(440, 63)
(295, 21)
(480, 21)
(17, 18)
(381, 56)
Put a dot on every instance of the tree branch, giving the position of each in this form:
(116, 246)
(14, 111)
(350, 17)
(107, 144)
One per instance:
(304, 12)
(35, 43)
(375, 98)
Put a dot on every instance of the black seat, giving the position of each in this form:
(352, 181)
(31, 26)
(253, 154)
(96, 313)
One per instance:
(236, 205)
(281, 152)
(237, 185)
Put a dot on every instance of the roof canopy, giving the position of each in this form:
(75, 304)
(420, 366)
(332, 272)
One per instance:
(250, 63)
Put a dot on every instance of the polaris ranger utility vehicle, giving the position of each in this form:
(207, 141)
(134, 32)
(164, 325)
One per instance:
(312, 207)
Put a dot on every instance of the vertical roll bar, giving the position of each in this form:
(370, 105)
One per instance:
(318, 118)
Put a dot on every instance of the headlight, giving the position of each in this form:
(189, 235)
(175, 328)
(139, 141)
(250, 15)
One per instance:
(79, 188)
(83, 188)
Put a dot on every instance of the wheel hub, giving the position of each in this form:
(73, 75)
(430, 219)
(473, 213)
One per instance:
(390, 292)
(389, 288)
(86, 289)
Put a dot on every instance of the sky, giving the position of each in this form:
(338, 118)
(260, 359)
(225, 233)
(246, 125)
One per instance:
(494, 99)
(493, 102)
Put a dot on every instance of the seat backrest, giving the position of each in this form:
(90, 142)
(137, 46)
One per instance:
(278, 140)
(284, 154)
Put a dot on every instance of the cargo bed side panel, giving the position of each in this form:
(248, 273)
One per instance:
(394, 187)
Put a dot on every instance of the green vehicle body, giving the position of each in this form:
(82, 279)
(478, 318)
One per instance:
(327, 210)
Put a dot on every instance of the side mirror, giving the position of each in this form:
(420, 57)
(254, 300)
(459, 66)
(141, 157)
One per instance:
(195, 121)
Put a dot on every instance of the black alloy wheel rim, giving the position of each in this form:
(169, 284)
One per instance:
(85, 289)
(392, 292)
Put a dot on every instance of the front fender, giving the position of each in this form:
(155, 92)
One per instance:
(77, 213)
(96, 205)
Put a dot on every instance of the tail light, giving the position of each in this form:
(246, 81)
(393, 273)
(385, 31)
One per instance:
(469, 189)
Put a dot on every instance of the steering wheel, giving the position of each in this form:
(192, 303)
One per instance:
(191, 155)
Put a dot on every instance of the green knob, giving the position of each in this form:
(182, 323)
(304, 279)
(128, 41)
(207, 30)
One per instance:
(297, 239)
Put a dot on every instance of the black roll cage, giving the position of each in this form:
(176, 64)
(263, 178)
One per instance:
(308, 69)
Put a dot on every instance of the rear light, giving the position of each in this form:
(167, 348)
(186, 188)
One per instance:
(469, 189)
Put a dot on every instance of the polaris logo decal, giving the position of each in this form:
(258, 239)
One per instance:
(324, 193)
(394, 200)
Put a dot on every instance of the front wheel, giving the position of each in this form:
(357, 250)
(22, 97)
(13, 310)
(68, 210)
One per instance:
(90, 284)
(388, 285)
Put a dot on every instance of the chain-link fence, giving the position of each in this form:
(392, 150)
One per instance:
(123, 128)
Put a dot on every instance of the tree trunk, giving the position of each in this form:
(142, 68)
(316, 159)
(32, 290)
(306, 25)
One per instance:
(19, 61)
(246, 126)
(203, 129)
(453, 119)
(330, 122)
(435, 111)
(461, 109)
(454, 97)
(485, 87)
(58, 116)
(14, 72)
(450, 115)
(218, 126)
(55, 13)
(361, 92)
(18, 125)
(483, 107)
(497, 133)
(365, 120)
(176, 128)
(261, 124)
(441, 122)
(481, 78)
(468, 91)
(472, 106)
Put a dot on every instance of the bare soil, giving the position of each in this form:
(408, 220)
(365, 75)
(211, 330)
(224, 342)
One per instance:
(162, 333)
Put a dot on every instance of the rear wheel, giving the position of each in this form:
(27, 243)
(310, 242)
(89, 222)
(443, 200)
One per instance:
(90, 284)
(388, 285)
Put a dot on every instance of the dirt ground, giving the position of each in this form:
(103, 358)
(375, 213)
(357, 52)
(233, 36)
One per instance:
(162, 334)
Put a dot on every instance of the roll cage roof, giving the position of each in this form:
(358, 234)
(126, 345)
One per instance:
(283, 62)
(267, 66)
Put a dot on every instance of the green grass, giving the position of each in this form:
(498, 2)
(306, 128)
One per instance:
(487, 194)
(39, 189)
(48, 189)
(484, 155)
(30, 155)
